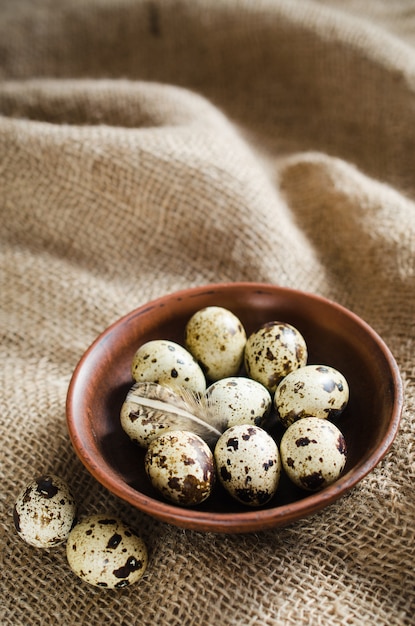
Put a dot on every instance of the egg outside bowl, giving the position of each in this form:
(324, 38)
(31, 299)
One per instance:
(334, 336)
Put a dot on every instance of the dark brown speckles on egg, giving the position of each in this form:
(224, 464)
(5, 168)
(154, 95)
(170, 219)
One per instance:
(190, 489)
(187, 474)
(174, 483)
(311, 391)
(248, 464)
(167, 363)
(27, 496)
(252, 497)
(232, 443)
(298, 387)
(273, 351)
(269, 355)
(304, 441)
(46, 486)
(313, 481)
(216, 338)
(225, 473)
(240, 400)
(132, 564)
(99, 558)
(44, 511)
(114, 541)
(248, 433)
(312, 453)
(187, 460)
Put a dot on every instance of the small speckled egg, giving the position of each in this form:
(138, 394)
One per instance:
(216, 338)
(105, 552)
(273, 351)
(311, 391)
(181, 467)
(248, 464)
(167, 363)
(240, 400)
(45, 511)
(313, 453)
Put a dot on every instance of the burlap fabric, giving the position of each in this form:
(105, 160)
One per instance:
(150, 146)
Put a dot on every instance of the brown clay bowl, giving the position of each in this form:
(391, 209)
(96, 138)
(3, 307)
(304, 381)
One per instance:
(334, 336)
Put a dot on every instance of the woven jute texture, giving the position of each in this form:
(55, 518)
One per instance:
(147, 146)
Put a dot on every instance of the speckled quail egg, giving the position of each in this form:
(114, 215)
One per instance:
(45, 511)
(313, 453)
(105, 552)
(240, 400)
(216, 338)
(273, 351)
(181, 467)
(167, 363)
(248, 464)
(311, 391)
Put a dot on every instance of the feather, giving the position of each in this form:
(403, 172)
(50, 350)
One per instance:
(177, 409)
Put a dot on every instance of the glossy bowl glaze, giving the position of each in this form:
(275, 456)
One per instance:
(334, 336)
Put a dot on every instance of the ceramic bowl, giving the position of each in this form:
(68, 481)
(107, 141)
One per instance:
(334, 336)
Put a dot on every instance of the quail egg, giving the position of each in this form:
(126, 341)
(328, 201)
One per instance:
(167, 363)
(216, 338)
(44, 511)
(181, 467)
(313, 453)
(273, 351)
(240, 400)
(248, 464)
(311, 391)
(105, 552)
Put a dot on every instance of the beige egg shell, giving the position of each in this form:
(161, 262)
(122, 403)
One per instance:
(240, 400)
(248, 464)
(273, 351)
(313, 453)
(216, 338)
(105, 552)
(181, 467)
(311, 391)
(167, 363)
(44, 511)
(139, 423)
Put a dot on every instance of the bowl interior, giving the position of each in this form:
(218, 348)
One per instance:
(334, 336)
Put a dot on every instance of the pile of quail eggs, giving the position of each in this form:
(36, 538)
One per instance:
(241, 379)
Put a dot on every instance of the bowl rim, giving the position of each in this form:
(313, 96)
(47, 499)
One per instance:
(251, 520)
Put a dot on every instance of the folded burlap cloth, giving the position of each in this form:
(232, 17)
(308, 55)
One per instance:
(148, 146)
